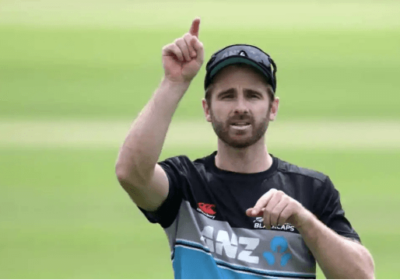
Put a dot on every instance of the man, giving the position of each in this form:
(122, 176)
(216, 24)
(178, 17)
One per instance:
(239, 212)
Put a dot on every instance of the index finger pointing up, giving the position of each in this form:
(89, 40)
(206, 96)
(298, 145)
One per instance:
(194, 29)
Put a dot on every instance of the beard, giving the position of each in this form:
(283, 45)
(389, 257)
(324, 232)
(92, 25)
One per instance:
(222, 129)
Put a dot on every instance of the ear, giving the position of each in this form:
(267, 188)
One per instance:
(274, 109)
(206, 110)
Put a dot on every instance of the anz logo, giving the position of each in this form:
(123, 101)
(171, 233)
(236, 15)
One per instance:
(230, 245)
(223, 243)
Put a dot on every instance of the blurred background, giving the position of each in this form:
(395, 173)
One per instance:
(75, 74)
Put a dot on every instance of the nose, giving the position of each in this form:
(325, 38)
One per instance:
(241, 107)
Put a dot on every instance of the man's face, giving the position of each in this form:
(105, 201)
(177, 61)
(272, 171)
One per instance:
(240, 108)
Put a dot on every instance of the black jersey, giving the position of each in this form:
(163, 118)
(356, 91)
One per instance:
(210, 234)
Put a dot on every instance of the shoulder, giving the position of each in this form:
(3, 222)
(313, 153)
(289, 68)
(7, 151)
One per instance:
(316, 188)
(190, 171)
(184, 163)
(295, 170)
(177, 160)
(178, 163)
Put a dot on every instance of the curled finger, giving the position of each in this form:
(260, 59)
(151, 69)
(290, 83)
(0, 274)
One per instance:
(269, 209)
(285, 214)
(276, 212)
(173, 49)
(184, 48)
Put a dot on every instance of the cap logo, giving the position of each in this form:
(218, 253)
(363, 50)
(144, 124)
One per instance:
(242, 53)
(229, 53)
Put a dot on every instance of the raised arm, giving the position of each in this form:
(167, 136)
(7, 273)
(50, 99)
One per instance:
(136, 168)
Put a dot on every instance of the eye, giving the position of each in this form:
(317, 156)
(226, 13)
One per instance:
(227, 96)
(254, 96)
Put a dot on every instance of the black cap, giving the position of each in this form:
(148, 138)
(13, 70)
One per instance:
(241, 53)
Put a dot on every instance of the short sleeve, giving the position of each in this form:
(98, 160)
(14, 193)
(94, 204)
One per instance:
(167, 212)
(328, 209)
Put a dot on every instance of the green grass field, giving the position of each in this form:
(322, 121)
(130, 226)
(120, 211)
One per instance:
(74, 74)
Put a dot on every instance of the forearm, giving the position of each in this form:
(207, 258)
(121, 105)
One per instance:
(337, 256)
(142, 147)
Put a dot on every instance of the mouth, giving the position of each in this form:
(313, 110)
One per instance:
(240, 125)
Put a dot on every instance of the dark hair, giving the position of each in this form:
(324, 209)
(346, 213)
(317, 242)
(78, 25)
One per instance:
(270, 90)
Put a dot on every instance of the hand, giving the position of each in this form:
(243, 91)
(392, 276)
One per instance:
(183, 58)
(277, 208)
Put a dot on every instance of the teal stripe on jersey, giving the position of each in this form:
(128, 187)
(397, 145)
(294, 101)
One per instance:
(195, 262)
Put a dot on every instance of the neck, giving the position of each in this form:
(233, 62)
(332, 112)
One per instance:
(252, 159)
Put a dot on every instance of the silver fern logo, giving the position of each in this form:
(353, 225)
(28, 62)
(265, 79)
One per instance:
(259, 222)
(279, 251)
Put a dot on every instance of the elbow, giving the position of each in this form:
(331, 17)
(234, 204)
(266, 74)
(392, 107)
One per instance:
(368, 274)
(362, 264)
(129, 177)
(369, 265)
(121, 173)
(371, 269)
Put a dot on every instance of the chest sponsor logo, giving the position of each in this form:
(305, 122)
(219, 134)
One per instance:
(279, 251)
(207, 209)
(259, 223)
(229, 244)
(221, 243)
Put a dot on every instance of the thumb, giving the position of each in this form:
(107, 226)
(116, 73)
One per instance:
(194, 29)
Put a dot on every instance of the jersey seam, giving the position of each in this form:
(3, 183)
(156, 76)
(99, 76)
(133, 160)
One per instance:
(305, 175)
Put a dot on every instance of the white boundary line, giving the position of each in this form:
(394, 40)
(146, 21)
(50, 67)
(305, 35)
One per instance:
(381, 135)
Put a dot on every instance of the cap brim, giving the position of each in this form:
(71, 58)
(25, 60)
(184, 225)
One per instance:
(236, 60)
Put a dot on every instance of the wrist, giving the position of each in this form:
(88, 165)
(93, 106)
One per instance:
(176, 86)
(304, 220)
